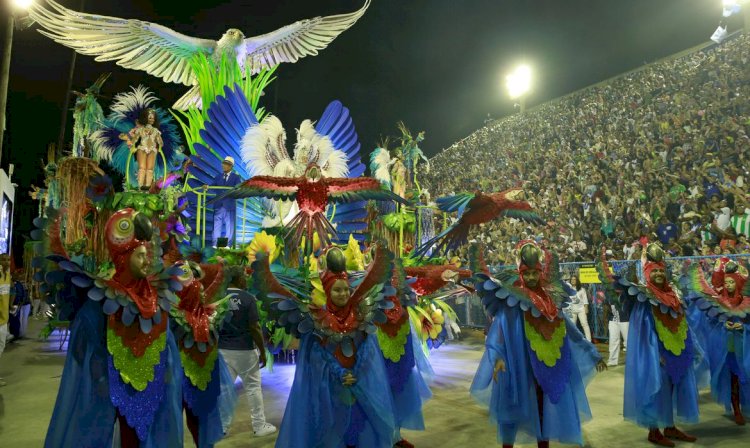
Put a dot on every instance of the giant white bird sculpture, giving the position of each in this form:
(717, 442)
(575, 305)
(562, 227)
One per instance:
(165, 53)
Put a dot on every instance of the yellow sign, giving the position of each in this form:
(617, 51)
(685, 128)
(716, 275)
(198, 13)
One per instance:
(588, 274)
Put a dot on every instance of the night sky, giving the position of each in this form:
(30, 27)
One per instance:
(438, 65)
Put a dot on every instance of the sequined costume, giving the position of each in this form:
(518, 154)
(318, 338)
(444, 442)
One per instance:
(207, 386)
(536, 365)
(125, 363)
(337, 344)
(722, 322)
(146, 138)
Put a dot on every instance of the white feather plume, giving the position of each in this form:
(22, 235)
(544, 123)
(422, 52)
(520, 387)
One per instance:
(263, 148)
(380, 164)
(315, 148)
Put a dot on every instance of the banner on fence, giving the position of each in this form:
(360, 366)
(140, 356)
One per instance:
(588, 274)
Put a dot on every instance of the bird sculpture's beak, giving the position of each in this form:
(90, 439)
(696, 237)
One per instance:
(515, 195)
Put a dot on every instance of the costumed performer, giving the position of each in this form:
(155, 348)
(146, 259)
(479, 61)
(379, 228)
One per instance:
(406, 363)
(145, 141)
(123, 364)
(337, 397)
(660, 381)
(724, 323)
(536, 365)
(207, 386)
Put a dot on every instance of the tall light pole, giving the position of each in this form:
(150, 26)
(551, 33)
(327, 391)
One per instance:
(9, 9)
(518, 83)
(744, 6)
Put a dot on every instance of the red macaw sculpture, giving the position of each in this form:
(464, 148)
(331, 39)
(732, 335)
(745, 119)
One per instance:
(313, 192)
(475, 209)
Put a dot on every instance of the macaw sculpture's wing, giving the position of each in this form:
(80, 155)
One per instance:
(295, 41)
(359, 189)
(454, 203)
(473, 210)
(264, 186)
(230, 116)
(132, 44)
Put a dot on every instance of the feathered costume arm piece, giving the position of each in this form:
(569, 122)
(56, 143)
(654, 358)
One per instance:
(707, 299)
(497, 292)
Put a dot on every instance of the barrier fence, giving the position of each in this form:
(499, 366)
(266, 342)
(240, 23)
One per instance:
(470, 313)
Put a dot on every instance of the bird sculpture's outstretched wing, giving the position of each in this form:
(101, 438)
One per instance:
(475, 209)
(359, 189)
(132, 44)
(264, 186)
(300, 39)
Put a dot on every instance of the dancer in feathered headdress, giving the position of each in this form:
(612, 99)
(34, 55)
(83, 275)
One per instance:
(337, 397)
(660, 385)
(536, 366)
(134, 127)
(723, 323)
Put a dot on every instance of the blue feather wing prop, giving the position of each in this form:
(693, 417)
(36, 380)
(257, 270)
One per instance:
(229, 116)
(337, 125)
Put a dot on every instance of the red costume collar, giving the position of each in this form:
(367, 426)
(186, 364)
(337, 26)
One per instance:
(139, 290)
(539, 296)
(665, 294)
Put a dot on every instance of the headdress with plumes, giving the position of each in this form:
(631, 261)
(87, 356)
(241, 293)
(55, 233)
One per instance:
(124, 113)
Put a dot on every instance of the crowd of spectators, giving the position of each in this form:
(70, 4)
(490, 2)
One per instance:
(660, 153)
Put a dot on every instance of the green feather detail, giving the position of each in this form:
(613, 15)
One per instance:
(673, 342)
(136, 371)
(546, 351)
(393, 347)
(199, 376)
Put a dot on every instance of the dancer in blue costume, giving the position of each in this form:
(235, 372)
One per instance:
(405, 361)
(124, 364)
(536, 365)
(337, 397)
(722, 317)
(207, 385)
(660, 384)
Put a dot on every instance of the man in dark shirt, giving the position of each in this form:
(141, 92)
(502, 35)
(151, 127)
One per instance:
(241, 344)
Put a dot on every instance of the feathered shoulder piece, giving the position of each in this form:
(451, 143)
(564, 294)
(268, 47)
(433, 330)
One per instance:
(642, 293)
(711, 302)
(503, 291)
